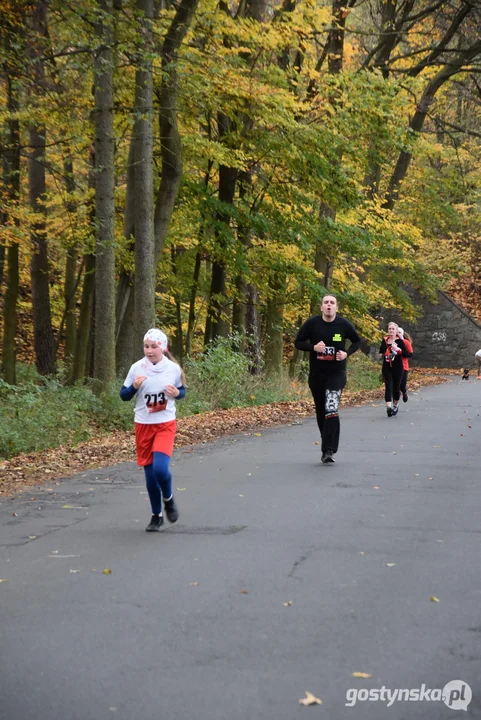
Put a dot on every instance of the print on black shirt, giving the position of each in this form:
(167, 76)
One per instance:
(334, 334)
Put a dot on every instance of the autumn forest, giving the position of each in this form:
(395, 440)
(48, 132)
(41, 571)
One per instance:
(213, 167)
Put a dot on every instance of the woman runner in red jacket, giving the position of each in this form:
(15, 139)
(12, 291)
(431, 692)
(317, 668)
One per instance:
(408, 343)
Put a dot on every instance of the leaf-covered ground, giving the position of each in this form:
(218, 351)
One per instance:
(23, 472)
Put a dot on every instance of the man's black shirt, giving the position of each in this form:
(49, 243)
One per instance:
(334, 335)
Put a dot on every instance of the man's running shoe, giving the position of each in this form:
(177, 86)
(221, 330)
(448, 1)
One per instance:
(389, 411)
(171, 510)
(405, 397)
(327, 457)
(395, 410)
(155, 524)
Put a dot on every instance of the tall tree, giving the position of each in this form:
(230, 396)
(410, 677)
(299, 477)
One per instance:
(144, 290)
(104, 343)
(12, 184)
(170, 142)
(42, 317)
(461, 59)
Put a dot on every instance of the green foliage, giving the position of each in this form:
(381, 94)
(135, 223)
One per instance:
(299, 138)
(39, 415)
(362, 373)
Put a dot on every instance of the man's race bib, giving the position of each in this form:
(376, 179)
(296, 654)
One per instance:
(328, 354)
(155, 402)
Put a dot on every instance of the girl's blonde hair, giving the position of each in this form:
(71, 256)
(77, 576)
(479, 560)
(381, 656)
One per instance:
(171, 357)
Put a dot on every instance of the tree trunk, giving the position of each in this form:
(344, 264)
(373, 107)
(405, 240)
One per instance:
(81, 362)
(217, 309)
(70, 287)
(41, 313)
(104, 344)
(10, 316)
(253, 343)
(244, 236)
(127, 351)
(323, 261)
(193, 295)
(12, 185)
(464, 58)
(177, 340)
(144, 282)
(239, 311)
(296, 359)
(171, 149)
(274, 343)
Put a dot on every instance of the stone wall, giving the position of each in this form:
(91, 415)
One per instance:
(443, 336)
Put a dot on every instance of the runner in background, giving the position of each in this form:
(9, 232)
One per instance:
(324, 338)
(408, 343)
(391, 351)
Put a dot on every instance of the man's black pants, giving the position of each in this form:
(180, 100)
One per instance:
(326, 391)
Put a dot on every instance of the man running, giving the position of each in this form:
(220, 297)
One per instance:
(324, 337)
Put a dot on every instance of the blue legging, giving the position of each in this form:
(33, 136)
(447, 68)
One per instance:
(158, 480)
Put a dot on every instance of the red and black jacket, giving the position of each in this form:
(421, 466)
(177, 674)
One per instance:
(393, 359)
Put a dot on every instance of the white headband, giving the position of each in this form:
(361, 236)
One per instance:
(157, 336)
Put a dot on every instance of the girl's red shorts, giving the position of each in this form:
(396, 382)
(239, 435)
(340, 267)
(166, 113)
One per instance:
(158, 437)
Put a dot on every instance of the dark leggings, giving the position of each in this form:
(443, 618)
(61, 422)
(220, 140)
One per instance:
(404, 382)
(326, 392)
(392, 377)
(158, 480)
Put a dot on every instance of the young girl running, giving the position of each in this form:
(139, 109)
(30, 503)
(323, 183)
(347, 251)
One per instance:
(159, 380)
(392, 350)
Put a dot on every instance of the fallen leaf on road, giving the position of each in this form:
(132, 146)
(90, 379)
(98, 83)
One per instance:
(433, 598)
(14, 514)
(376, 487)
(107, 571)
(194, 583)
(74, 571)
(258, 434)
(389, 564)
(181, 489)
(288, 603)
(361, 675)
(310, 699)
(3, 580)
(244, 592)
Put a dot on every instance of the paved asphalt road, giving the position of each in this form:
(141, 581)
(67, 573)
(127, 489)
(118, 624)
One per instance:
(275, 580)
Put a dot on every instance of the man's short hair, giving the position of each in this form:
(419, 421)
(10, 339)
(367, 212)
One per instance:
(329, 295)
